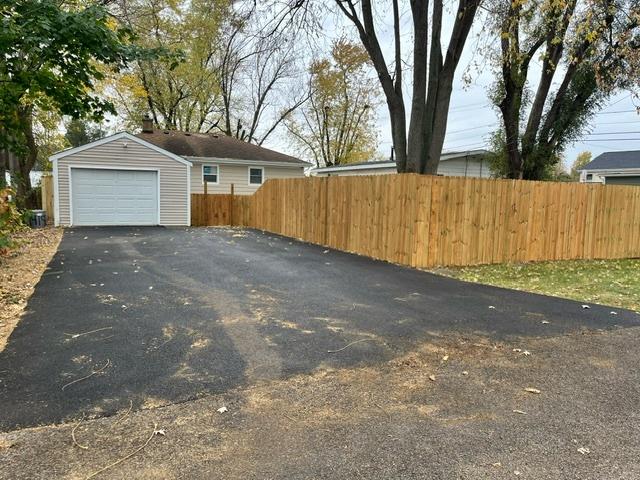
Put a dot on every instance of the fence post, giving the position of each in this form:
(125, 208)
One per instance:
(205, 187)
(326, 211)
(231, 200)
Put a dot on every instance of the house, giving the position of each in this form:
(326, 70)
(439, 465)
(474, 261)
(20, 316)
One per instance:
(34, 175)
(148, 178)
(613, 168)
(454, 164)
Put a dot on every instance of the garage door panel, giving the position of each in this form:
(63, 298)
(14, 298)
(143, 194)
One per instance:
(622, 180)
(114, 197)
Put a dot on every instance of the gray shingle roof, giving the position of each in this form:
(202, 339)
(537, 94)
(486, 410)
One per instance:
(210, 145)
(615, 160)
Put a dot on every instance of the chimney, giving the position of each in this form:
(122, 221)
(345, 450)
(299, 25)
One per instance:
(147, 124)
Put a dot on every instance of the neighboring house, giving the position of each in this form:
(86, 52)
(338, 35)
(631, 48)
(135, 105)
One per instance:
(455, 164)
(148, 179)
(613, 168)
(34, 175)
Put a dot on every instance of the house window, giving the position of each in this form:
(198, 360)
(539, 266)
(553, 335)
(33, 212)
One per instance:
(210, 174)
(256, 175)
(589, 177)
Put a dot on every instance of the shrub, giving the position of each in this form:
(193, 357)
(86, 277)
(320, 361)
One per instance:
(11, 219)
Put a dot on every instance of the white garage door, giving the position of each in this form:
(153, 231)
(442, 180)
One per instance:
(114, 197)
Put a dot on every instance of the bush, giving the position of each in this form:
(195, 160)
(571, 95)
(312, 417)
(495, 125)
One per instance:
(11, 219)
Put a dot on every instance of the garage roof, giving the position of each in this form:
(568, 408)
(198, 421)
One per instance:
(617, 160)
(118, 136)
(208, 145)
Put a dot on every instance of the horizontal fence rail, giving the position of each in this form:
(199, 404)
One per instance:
(428, 221)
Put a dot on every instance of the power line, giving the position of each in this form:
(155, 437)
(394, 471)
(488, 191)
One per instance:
(619, 123)
(471, 106)
(614, 139)
(475, 144)
(472, 128)
(617, 111)
(613, 133)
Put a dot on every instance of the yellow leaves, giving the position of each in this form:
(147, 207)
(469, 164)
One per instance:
(349, 55)
(112, 24)
(132, 84)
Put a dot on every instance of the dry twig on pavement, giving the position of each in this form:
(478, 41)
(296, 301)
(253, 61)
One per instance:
(73, 435)
(126, 457)
(95, 372)
(349, 344)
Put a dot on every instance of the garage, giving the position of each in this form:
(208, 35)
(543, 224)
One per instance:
(114, 197)
(622, 180)
(121, 180)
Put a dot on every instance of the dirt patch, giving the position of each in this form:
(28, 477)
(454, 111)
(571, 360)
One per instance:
(20, 271)
(416, 416)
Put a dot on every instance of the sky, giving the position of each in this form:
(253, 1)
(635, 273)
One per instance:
(472, 118)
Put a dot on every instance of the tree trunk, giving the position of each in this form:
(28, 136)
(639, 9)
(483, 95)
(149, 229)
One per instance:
(441, 76)
(415, 144)
(4, 154)
(439, 127)
(26, 160)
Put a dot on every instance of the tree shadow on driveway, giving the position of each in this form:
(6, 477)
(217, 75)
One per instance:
(174, 314)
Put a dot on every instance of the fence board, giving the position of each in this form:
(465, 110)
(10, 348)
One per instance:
(427, 221)
(46, 192)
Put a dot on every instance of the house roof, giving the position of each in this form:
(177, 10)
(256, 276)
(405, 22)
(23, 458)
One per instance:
(392, 164)
(614, 160)
(208, 145)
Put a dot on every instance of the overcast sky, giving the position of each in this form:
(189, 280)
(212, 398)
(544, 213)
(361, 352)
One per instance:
(472, 117)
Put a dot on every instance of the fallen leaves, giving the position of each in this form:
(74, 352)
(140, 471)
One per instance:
(20, 270)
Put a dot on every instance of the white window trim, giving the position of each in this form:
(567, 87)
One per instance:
(217, 173)
(249, 176)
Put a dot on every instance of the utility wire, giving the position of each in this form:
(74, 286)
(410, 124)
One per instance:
(613, 133)
(614, 139)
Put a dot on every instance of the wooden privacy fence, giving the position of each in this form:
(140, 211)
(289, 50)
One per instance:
(427, 221)
(46, 191)
(219, 209)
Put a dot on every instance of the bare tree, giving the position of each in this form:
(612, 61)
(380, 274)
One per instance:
(417, 146)
(257, 81)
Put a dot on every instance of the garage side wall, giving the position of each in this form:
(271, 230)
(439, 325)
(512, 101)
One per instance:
(174, 194)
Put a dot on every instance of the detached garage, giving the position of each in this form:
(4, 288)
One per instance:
(121, 180)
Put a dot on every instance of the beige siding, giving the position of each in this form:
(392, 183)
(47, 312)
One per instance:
(238, 175)
(174, 195)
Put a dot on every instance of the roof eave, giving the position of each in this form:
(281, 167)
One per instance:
(242, 161)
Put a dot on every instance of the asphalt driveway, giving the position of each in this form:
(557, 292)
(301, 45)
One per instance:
(157, 316)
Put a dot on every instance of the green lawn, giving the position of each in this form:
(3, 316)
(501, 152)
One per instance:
(609, 282)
